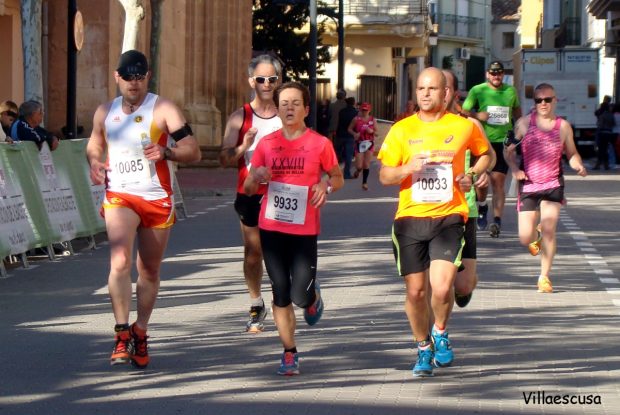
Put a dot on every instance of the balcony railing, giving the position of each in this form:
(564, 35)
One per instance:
(381, 7)
(460, 26)
(569, 33)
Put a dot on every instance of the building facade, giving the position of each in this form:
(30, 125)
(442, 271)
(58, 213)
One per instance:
(386, 45)
(205, 47)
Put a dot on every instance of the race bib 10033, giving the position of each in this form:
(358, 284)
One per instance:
(434, 184)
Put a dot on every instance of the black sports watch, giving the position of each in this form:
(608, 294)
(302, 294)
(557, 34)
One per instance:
(168, 153)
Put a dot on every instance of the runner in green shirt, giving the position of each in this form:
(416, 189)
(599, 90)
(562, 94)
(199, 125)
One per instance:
(497, 104)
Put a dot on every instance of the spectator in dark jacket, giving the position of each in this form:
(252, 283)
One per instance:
(28, 126)
(605, 123)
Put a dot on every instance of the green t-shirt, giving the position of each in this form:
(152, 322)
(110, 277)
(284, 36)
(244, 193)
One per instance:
(499, 103)
(471, 195)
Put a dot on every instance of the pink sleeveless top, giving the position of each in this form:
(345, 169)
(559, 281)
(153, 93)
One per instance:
(542, 157)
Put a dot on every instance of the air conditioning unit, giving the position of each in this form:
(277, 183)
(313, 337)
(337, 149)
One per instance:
(463, 53)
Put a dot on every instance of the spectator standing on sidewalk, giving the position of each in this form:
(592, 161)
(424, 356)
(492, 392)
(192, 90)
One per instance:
(334, 111)
(345, 142)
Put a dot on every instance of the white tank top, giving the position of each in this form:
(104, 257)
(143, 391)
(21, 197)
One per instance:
(265, 126)
(126, 135)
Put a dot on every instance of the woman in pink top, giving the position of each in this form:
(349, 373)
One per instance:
(292, 162)
(543, 137)
(364, 130)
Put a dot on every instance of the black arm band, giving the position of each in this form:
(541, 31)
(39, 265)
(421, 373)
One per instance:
(182, 132)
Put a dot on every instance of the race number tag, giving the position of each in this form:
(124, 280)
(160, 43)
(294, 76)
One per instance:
(364, 145)
(498, 115)
(287, 203)
(434, 184)
(130, 166)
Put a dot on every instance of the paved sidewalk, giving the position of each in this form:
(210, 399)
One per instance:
(207, 181)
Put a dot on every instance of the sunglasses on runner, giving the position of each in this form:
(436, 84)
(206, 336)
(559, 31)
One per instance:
(262, 79)
(129, 78)
(548, 100)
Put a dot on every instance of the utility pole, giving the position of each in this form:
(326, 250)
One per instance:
(340, 44)
(313, 63)
(72, 51)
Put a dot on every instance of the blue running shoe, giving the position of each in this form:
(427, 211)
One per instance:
(481, 222)
(423, 367)
(313, 314)
(443, 349)
(289, 365)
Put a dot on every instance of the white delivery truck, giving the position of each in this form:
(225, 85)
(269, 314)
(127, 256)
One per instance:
(573, 73)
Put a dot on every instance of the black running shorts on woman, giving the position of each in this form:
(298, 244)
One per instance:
(291, 264)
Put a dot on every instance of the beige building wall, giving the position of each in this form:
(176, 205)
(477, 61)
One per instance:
(531, 20)
(11, 72)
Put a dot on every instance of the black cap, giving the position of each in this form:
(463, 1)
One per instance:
(495, 66)
(132, 62)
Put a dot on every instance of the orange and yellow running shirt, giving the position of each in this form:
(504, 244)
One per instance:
(433, 192)
(129, 171)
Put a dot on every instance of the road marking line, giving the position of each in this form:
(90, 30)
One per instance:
(610, 280)
(585, 244)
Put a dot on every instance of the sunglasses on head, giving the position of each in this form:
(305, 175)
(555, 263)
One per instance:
(262, 79)
(129, 78)
(548, 100)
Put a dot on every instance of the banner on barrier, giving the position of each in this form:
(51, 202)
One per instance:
(16, 233)
(58, 197)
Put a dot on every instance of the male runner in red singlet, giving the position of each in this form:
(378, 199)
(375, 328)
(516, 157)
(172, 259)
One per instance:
(140, 133)
(244, 129)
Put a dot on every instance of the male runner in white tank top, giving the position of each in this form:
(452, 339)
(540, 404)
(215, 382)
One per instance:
(139, 134)
(244, 129)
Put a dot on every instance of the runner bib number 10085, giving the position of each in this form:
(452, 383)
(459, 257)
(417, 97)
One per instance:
(434, 184)
(130, 165)
(287, 203)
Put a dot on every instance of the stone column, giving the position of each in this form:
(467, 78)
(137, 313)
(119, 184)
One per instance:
(218, 49)
(200, 107)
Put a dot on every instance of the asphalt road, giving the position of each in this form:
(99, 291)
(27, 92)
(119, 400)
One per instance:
(513, 346)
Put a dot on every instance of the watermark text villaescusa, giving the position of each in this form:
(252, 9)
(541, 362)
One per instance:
(542, 398)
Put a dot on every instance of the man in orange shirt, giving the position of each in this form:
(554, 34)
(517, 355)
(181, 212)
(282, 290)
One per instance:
(425, 155)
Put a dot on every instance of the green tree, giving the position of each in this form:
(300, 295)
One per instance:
(276, 29)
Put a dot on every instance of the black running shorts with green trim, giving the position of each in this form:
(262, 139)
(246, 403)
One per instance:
(418, 241)
(469, 249)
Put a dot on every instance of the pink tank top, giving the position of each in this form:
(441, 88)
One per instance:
(542, 156)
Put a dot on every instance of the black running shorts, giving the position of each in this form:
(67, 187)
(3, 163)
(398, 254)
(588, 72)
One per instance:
(469, 249)
(418, 241)
(248, 209)
(529, 202)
